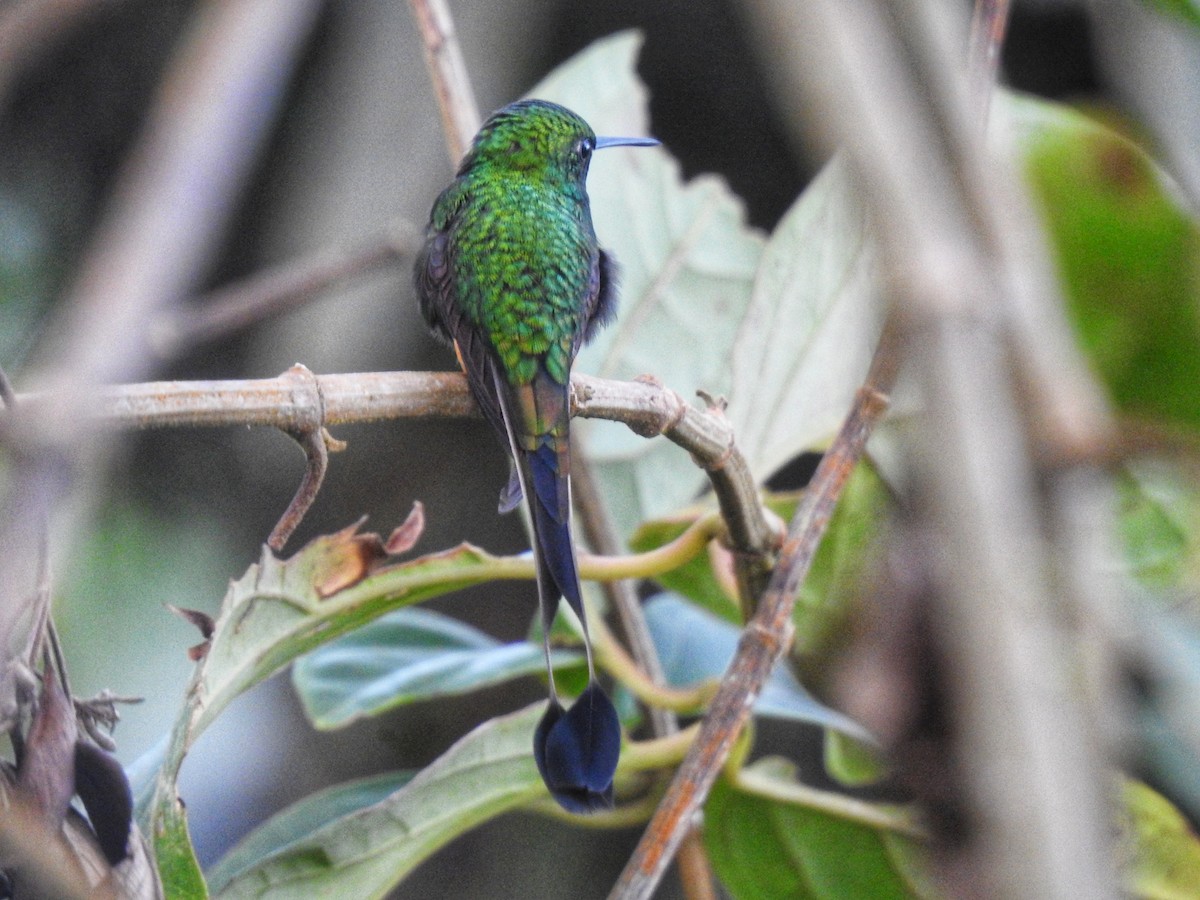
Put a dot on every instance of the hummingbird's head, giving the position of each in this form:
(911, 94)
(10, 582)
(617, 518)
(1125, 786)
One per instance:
(538, 136)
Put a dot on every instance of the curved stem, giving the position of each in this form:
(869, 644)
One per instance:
(611, 657)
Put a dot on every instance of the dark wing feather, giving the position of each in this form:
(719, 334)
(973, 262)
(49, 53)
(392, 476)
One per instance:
(435, 294)
(601, 307)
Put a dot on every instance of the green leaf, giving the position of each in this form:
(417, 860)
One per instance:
(405, 656)
(696, 578)
(178, 868)
(367, 852)
(1129, 255)
(695, 646)
(768, 837)
(852, 762)
(1160, 852)
(1184, 10)
(1159, 521)
(281, 609)
(827, 595)
(286, 829)
(783, 328)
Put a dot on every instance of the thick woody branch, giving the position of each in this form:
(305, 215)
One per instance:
(297, 404)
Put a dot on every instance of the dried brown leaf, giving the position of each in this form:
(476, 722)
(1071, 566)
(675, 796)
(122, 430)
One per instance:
(405, 537)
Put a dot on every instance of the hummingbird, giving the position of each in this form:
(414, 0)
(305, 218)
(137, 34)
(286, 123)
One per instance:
(511, 275)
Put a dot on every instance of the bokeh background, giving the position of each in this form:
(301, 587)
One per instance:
(355, 150)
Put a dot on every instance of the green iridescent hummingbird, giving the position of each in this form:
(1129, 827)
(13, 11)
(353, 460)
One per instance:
(512, 276)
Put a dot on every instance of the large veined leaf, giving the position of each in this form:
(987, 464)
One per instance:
(365, 853)
(783, 328)
(769, 837)
(279, 610)
(404, 656)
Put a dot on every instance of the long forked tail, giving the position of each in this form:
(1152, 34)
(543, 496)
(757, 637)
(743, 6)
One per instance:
(548, 485)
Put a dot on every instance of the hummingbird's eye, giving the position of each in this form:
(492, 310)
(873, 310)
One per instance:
(585, 148)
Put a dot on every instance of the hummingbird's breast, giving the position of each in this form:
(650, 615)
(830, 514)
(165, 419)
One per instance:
(525, 260)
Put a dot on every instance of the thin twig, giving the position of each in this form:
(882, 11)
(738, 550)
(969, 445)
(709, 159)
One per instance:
(622, 593)
(762, 643)
(695, 872)
(310, 435)
(443, 56)
(273, 292)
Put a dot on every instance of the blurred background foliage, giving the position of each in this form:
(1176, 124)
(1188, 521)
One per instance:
(357, 148)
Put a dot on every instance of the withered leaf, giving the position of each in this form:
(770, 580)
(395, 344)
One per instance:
(405, 537)
(342, 559)
(46, 774)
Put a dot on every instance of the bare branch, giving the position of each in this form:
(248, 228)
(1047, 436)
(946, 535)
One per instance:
(763, 642)
(310, 435)
(646, 407)
(456, 99)
(273, 292)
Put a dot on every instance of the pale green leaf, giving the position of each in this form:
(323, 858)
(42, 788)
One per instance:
(281, 609)
(785, 334)
(405, 656)
(804, 343)
(366, 853)
(286, 829)
(687, 262)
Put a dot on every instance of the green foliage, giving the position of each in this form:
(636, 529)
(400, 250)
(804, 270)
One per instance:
(1161, 852)
(404, 656)
(827, 595)
(1129, 256)
(1159, 521)
(366, 851)
(770, 837)
(284, 831)
(1184, 10)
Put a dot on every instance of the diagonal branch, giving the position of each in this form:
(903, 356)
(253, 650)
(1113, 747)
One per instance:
(443, 56)
(763, 641)
(273, 292)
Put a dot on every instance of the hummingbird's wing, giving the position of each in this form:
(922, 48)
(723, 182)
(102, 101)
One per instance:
(445, 316)
(601, 306)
